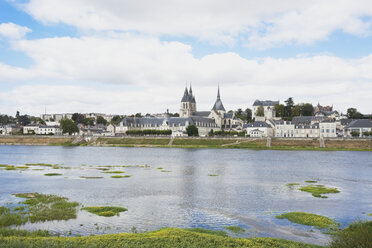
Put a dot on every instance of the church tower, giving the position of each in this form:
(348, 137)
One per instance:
(188, 103)
(218, 106)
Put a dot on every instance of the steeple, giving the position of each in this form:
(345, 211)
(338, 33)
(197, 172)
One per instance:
(185, 95)
(218, 106)
(191, 96)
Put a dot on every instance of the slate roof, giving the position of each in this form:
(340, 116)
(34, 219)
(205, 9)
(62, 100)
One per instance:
(188, 96)
(257, 124)
(265, 103)
(201, 113)
(361, 123)
(307, 119)
(218, 104)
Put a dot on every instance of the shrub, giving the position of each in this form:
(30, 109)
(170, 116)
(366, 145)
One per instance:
(358, 234)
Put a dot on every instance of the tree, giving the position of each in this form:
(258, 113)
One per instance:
(288, 107)
(78, 118)
(248, 114)
(352, 113)
(101, 120)
(116, 119)
(355, 133)
(69, 126)
(260, 111)
(192, 130)
(280, 110)
(296, 111)
(89, 121)
(211, 133)
(307, 109)
(23, 120)
(37, 120)
(17, 114)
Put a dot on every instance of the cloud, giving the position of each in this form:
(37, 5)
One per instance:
(129, 73)
(259, 24)
(13, 31)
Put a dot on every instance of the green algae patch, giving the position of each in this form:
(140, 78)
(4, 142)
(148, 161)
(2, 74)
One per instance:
(165, 238)
(308, 219)
(310, 181)
(114, 172)
(91, 177)
(291, 185)
(37, 207)
(165, 171)
(159, 168)
(11, 167)
(212, 175)
(319, 190)
(105, 211)
(120, 176)
(22, 167)
(235, 229)
(52, 174)
(207, 231)
(40, 164)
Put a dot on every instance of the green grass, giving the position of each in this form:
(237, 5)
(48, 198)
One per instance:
(357, 234)
(212, 175)
(235, 229)
(52, 174)
(6, 232)
(369, 215)
(105, 211)
(91, 177)
(310, 181)
(114, 172)
(134, 141)
(164, 238)
(319, 190)
(207, 231)
(10, 217)
(202, 142)
(308, 219)
(120, 176)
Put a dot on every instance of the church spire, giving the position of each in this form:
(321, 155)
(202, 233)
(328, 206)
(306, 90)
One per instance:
(185, 95)
(218, 92)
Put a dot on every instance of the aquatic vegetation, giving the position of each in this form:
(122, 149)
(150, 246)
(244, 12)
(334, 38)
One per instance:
(159, 168)
(42, 207)
(318, 190)
(91, 177)
(310, 181)
(114, 172)
(56, 167)
(207, 231)
(11, 167)
(40, 164)
(103, 169)
(292, 184)
(165, 171)
(22, 167)
(6, 232)
(120, 176)
(10, 217)
(212, 175)
(38, 169)
(308, 219)
(105, 211)
(165, 238)
(369, 215)
(357, 234)
(4, 165)
(52, 174)
(235, 229)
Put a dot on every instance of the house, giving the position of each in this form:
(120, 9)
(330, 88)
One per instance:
(307, 130)
(42, 130)
(268, 110)
(282, 129)
(328, 129)
(359, 126)
(258, 129)
(12, 129)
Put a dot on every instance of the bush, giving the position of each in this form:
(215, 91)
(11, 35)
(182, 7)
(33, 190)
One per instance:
(358, 234)
(354, 134)
(230, 133)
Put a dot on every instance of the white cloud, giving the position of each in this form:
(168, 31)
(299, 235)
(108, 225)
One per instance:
(134, 73)
(261, 24)
(13, 31)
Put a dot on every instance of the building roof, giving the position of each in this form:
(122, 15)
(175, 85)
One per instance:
(308, 119)
(257, 124)
(361, 123)
(201, 113)
(218, 106)
(265, 103)
(188, 96)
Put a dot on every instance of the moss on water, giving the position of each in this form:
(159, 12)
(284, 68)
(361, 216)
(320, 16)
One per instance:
(308, 219)
(40, 164)
(52, 174)
(235, 229)
(120, 176)
(165, 171)
(91, 177)
(106, 211)
(292, 184)
(212, 175)
(310, 181)
(319, 190)
(114, 172)
(22, 167)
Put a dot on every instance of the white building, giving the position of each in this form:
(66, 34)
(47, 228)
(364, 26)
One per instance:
(327, 129)
(358, 126)
(42, 130)
(282, 129)
(307, 131)
(258, 129)
(268, 107)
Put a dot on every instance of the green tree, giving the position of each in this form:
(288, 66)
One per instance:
(69, 126)
(116, 119)
(355, 133)
(89, 121)
(280, 110)
(37, 120)
(260, 111)
(352, 113)
(296, 111)
(139, 115)
(248, 114)
(307, 109)
(288, 107)
(192, 130)
(24, 120)
(101, 120)
(78, 118)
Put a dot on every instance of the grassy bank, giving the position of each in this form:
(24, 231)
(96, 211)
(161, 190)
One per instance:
(164, 238)
(223, 143)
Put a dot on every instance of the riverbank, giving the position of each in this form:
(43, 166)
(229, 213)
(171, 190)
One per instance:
(184, 142)
(168, 237)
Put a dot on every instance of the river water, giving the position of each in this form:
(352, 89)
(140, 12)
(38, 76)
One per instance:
(248, 191)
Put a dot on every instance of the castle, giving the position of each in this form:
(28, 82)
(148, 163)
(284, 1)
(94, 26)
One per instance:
(214, 120)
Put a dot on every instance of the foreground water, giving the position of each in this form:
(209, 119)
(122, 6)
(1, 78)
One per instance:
(248, 191)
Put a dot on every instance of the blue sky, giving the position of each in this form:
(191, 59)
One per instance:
(122, 57)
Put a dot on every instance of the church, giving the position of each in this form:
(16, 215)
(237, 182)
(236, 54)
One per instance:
(216, 119)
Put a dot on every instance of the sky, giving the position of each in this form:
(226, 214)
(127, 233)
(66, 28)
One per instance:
(125, 57)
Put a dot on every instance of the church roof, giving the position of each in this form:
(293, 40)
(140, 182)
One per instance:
(265, 103)
(188, 96)
(218, 104)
